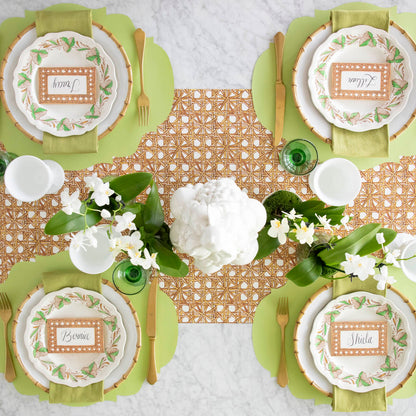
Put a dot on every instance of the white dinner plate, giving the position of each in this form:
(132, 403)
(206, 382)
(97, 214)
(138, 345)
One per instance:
(366, 45)
(311, 115)
(360, 373)
(122, 69)
(131, 348)
(304, 327)
(65, 50)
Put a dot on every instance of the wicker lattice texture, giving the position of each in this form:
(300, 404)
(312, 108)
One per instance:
(212, 134)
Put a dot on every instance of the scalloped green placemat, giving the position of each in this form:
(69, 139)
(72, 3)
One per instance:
(24, 276)
(264, 78)
(126, 136)
(266, 335)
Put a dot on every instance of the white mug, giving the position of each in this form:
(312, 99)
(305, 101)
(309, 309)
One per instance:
(29, 178)
(336, 181)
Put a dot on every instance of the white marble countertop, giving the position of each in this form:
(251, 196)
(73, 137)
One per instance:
(211, 44)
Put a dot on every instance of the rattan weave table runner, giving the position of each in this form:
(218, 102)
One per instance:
(211, 134)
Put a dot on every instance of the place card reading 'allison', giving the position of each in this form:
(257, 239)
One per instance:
(70, 85)
(360, 81)
(75, 335)
(359, 338)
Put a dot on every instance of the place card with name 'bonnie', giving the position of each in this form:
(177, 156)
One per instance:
(75, 335)
(360, 81)
(69, 85)
(359, 338)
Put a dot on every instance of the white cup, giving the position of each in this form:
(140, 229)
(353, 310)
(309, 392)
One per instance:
(336, 181)
(409, 266)
(93, 260)
(29, 178)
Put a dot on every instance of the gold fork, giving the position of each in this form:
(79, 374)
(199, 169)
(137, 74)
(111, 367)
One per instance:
(5, 315)
(282, 318)
(143, 103)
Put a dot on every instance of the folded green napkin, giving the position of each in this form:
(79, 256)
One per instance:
(78, 21)
(347, 400)
(58, 393)
(372, 143)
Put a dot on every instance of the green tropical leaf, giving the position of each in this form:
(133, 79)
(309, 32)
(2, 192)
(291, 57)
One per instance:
(62, 223)
(266, 243)
(305, 272)
(152, 211)
(131, 185)
(352, 244)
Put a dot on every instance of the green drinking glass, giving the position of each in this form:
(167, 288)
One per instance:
(299, 157)
(129, 278)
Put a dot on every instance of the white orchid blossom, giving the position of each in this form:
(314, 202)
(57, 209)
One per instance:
(325, 222)
(102, 193)
(105, 214)
(391, 258)
(125, 222)
(383, 278)
(78, 241)
(380, 238)
(93, 182)
(344, 221)
(362, 267)
(90, 237)
(148, 261)
(70, 203)
(279, 229)
(292, 214)
(304, 233)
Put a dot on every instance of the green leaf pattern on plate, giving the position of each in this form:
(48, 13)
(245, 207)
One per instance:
(37, 340)
(398, 338)
(37, 58)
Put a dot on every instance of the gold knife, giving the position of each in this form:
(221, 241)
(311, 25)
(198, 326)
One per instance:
(151, 329)
(279, 41)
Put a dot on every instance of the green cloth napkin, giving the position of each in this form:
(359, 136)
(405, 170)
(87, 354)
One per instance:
(372, 143)
(58, 393)
(77, 21)
(347, 400)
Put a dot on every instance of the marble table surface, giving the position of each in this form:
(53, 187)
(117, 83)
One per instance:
(211, 44)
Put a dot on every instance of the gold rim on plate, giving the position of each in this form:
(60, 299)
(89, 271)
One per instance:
(296, 346)
(309, 39)
(126, 61)
(108, 389)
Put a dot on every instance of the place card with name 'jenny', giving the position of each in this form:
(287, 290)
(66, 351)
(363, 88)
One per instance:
(359, 338)
(75, 335)
(69, 85)
(360, 81)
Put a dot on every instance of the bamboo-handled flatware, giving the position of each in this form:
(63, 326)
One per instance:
(279, 41)
(143, 103)
(282, 318)
(5, 315)
(151, 329)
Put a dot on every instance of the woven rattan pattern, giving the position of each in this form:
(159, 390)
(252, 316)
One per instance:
(211, 134)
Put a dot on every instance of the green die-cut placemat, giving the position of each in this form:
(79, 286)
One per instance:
(126, 136)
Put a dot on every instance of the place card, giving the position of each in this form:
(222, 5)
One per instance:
(359, 338)
(70, 85)
(360, 81)
(75, 335)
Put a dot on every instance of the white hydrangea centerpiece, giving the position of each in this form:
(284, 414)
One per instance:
(216, 223)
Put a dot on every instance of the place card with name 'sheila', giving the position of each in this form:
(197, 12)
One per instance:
(360, 81)
(358, 338)
(70, 85)
(75, 335)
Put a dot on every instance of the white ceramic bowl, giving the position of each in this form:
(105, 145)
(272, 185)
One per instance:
(336, 181)
(29, 178)
(93, 260)
(409, 266)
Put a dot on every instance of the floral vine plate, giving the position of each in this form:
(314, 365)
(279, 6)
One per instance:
(64, 49)
(364, 44)
(303, 328)
(75, 369)
(360, 373)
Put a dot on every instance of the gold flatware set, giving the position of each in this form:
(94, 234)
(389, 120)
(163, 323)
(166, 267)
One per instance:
(5, 315)
(143, 102)
(282, 318)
